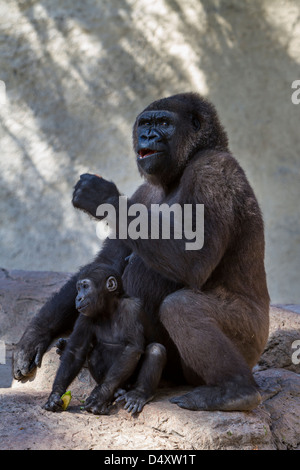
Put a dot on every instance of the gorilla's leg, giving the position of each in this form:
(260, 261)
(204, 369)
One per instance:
(55, 317)
(208, 355)
(153, 362)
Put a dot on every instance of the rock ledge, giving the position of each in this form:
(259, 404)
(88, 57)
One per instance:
(275, 424)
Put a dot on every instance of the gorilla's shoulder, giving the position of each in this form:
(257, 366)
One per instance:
(212, 163)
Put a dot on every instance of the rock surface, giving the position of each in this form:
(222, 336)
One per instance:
(275, 424)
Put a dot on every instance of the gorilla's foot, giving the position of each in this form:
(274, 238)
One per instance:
(231, 396)
(135, 400)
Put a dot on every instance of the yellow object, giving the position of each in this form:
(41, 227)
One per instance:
(66, 398)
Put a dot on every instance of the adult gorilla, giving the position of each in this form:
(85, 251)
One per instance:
(209, 307)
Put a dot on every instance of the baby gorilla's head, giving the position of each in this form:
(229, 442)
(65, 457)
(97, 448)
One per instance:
(96, 286)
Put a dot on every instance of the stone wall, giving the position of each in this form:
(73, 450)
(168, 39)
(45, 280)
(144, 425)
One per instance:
(76, 75)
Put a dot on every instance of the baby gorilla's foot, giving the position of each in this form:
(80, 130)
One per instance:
(135, 400)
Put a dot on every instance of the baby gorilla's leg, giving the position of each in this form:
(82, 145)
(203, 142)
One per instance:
(135, 400)
(147, 381)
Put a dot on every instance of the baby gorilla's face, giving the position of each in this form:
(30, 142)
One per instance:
(91, 297)
(87, 296)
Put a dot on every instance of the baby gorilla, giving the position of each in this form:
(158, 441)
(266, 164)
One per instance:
(109, 333)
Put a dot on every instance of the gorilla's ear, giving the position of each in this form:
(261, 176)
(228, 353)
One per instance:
(195, 122)
(111, 283)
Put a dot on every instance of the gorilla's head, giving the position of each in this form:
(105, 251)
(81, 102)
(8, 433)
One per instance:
(95, 287)
(170, 131)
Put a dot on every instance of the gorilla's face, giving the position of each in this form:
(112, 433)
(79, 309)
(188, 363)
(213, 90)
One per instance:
(86, 299)
(95, 288)
(169, 132)
(155, 134)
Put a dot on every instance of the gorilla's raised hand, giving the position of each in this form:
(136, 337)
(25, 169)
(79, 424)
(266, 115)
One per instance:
(93, 190)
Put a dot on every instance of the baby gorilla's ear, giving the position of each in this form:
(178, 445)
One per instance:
(111, 283)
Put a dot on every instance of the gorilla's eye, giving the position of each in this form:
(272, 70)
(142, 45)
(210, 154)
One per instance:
(111, 284)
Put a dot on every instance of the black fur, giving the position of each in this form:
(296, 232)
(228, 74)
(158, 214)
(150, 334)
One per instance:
(209, 307)
(108, 333)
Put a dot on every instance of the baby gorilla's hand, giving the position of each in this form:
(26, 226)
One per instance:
(97, 407)
(54, 403)
(98, 402)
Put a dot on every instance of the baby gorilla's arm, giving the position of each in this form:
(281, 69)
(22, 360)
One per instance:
(71, 363)
(101, 397)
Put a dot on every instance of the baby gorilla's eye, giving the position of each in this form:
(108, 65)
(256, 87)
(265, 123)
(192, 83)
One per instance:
(165, 123)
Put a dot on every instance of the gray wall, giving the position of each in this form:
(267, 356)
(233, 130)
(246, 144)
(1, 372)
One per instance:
(77, 73)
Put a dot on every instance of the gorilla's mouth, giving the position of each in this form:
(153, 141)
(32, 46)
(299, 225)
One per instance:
(83, 307)
(144, 153)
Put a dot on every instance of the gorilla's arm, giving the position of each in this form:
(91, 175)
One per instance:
(71, 362)
(58, 315)
(117, 374)
(170, 257)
